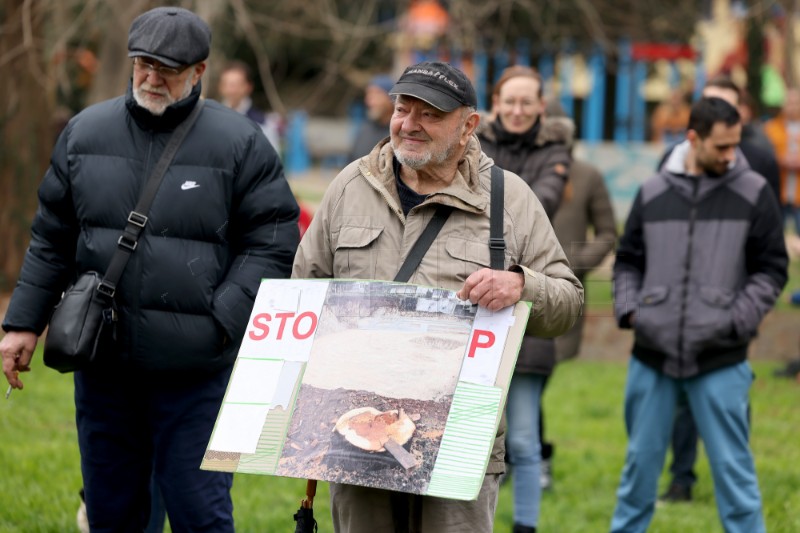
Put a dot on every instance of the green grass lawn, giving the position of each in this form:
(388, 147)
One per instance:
(41, 476)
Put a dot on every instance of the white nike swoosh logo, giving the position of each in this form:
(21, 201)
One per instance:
(187, 186)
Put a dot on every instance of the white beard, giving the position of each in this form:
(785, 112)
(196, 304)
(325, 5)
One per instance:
(158, 107)
(419, 161)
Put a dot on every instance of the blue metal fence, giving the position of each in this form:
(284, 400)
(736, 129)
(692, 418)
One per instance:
(627, 102)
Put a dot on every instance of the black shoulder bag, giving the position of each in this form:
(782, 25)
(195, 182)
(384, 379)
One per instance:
(87, 311)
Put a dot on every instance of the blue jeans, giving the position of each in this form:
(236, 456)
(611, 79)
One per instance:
(718, 401)
(522, 409)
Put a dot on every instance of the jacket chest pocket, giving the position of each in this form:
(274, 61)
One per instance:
(467, 256)
(356, 252)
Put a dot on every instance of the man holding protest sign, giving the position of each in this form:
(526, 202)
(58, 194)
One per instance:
(374, 212)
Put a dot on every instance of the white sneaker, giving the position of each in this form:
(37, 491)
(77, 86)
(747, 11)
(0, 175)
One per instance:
(81, 519)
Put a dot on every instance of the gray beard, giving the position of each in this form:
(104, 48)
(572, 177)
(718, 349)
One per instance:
(413, 162)
(419, 162)
(159, 109)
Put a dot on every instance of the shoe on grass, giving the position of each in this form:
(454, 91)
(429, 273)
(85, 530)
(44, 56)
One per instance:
(546, 474)
(676, 493)
(81, 520)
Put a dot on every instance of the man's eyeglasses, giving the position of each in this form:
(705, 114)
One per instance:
(144, 65)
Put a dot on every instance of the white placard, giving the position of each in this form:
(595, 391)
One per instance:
(284, 317)
(238, 427)
(254, 381)
(485, 347)
(288, 380)
(285, 299)
(391, 341)
(504, 317)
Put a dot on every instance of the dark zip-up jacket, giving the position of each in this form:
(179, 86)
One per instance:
(223, 219)
(541, 157)
(702, 260)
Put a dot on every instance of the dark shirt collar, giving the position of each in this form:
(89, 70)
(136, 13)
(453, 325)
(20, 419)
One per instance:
(409, 198)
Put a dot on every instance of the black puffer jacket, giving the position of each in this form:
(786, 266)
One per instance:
(223, 219)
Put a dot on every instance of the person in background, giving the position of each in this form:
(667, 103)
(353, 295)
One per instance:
(702, 260)
(684, 434)
(433, 158)
(222, 219)
(784, 133)
(752, 126)
(375, 127)
(236, 85)
(669, 119)
(586, 204)
(522, 140)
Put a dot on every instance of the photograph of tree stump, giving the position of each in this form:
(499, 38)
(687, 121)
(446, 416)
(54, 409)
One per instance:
(377, 390)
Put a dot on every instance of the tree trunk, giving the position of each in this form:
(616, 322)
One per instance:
(25, 125)
(114, 67)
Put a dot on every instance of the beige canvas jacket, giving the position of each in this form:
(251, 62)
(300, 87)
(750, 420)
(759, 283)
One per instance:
(360, 232)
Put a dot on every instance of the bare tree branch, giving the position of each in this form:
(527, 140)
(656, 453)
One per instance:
(264, 70)
(594, 22)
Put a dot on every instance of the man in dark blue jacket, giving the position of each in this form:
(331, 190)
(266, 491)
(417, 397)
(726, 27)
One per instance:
(223, 219)
(702, 260)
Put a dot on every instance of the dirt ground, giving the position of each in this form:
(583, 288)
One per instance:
(778, 338)
(313, 450)
(413, 364)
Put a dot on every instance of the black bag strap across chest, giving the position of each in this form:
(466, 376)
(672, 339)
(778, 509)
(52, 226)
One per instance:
(497, 244)
(137, 219)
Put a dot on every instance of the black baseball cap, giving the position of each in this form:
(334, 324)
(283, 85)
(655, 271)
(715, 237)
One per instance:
(171, 35)
(440, 84)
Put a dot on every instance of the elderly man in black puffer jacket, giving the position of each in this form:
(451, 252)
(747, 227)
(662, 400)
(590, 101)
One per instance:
(222, 219)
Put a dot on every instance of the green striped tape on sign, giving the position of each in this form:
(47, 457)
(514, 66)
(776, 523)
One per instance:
(467, 442)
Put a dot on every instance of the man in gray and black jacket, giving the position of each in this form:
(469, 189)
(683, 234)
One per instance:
(702, 260)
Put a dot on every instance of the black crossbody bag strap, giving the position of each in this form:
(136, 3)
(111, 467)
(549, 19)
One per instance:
(497, 244)
(424, 242)
(137, 219)
(407, 508)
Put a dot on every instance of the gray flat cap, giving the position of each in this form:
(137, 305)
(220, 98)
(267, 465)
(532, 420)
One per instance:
(171, 35)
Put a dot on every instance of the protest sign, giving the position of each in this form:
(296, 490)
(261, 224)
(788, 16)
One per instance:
(380, 384)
